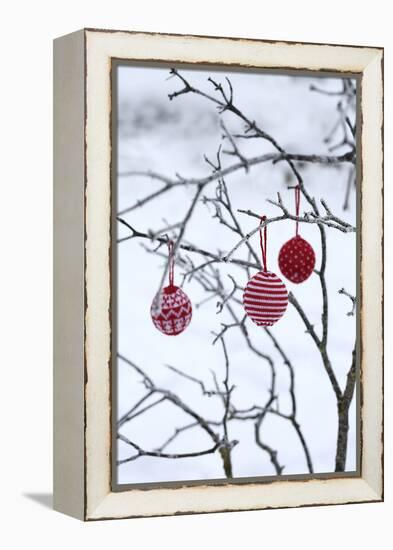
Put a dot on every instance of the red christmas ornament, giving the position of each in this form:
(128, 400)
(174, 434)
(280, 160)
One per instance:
(265, 297)
(171, 309)
(296, 258)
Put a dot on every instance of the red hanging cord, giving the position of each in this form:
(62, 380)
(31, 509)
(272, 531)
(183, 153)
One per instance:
(171, 261)
(263, 241)
(297, 206)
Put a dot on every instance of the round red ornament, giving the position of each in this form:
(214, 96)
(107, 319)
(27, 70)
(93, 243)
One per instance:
(296, 258)
(174, 313)
(265, 297)
(171, 309)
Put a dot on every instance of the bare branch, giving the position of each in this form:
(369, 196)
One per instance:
(175, 434)
(220, 305)
(140, 411)
(350, 313)
(350, 181)
(226, 449)
(160, 454)
(187, 247)
(235, 149)
(292, 416)
(208, 393)
(329, 160)
(264, 446)
(222, 444)
(318, 342)
(343, 415)
(125, 417)
(329, 219)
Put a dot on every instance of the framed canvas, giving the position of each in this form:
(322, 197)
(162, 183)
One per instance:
(218, 340)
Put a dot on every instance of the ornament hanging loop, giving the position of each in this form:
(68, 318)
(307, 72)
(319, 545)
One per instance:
(171, 261)
(263, 241)
(297, 207)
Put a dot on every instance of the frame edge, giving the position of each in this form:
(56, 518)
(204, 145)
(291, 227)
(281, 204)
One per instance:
(68, 293)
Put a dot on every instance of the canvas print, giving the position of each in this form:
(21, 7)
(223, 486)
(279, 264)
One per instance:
(234, 275)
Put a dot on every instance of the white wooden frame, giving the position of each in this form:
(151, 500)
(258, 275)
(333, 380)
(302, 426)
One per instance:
(82, 401)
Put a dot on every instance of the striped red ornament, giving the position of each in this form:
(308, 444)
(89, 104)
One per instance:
(171, 309)
(296, 258)
(265, 297)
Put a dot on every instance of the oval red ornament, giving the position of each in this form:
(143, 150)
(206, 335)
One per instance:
(265, 298)
(174, 313)
(296, 259)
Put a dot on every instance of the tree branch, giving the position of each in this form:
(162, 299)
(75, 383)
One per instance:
(160, 454)
(350, 313)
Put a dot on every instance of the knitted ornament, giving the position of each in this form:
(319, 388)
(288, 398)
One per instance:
(265, 297)
(171, 309)
(297, 257)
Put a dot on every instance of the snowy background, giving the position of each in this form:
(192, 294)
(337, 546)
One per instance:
(171, 137)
